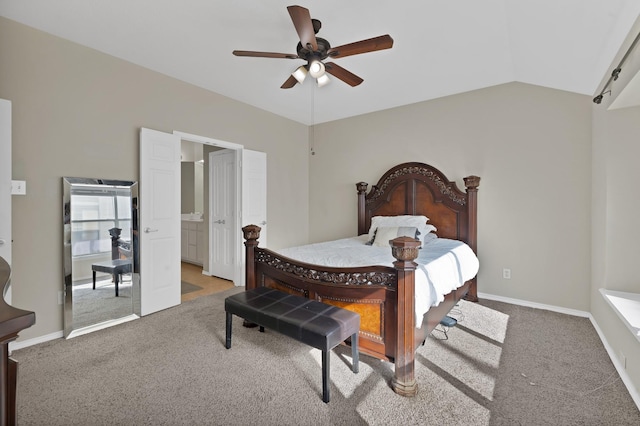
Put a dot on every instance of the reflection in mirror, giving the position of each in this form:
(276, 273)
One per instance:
(100, 246)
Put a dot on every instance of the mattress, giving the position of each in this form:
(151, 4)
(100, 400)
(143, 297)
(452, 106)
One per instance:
(443, 264)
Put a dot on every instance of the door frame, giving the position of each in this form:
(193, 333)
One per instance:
(5, 186)
(237, 148)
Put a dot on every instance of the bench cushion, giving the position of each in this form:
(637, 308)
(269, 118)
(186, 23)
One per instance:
(311, 322)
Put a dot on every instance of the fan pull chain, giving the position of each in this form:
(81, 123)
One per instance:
(313, 127)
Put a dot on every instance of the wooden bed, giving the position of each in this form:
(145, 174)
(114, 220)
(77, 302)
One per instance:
(383, 296)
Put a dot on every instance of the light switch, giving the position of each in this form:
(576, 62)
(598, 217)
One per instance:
(18, 187)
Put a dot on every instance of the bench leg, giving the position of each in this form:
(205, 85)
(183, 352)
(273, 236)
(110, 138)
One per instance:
(94, 280)
(325, 376)
(248, 324)
(229, 321)
(354, 352)
(117, 280)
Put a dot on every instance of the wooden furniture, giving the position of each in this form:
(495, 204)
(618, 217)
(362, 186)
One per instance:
(317, 324)
(115, 242)
(383, 296)
(12, 322)
(114, 267)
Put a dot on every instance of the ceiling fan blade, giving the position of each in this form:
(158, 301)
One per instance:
(302, 21)
(347, 76)
(291, 81)
(363, 46)
(264, 54)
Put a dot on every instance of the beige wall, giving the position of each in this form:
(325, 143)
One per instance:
(78, 112)
(616, 206)
(532, 149)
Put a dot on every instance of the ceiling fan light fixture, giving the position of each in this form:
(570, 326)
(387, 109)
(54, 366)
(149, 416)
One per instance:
(323, 80)
(300, 73)
(315, 49)
(316, 68)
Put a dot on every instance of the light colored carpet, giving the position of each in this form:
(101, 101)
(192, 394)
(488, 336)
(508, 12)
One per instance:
(502, 365)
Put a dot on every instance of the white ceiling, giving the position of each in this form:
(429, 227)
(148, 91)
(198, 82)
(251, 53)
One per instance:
(440, 47)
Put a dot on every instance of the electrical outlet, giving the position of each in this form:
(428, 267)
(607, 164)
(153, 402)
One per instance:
(506, 274)
(18, 187)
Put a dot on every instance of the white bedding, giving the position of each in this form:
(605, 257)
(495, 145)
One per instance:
(444, 264)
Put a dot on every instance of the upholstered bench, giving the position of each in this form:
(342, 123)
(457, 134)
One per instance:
(308, 321)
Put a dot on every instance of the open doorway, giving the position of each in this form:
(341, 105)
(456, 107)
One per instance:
(196, 281)
(200, 241)
(234, 188)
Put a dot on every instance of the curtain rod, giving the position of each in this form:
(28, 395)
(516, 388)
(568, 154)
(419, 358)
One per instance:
(616, 72)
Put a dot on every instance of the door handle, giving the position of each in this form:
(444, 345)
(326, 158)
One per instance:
(219, 221)
(147, 230)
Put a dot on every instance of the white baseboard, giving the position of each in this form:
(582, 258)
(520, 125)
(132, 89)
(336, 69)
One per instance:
(13, 346)
(616, 363)
(559, 309)
(614, 359)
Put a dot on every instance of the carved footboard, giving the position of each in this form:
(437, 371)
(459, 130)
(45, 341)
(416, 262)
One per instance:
(383, 296)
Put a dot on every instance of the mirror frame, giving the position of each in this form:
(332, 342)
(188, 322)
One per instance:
(69, 329)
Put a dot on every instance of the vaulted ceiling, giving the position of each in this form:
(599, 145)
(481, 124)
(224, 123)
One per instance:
(440, 47)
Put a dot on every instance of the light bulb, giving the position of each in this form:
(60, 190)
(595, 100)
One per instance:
(316, 68)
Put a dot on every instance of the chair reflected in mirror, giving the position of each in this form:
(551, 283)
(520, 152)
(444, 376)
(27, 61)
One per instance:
(120, 263)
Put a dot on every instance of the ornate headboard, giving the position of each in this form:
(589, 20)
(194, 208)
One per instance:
(420, 189)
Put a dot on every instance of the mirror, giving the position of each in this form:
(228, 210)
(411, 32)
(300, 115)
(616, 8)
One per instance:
(100, 249)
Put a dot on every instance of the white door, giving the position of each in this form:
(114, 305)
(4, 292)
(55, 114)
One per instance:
(222, 215)
(254, 202)
(254, 191)
(5, 185)
(159, 228)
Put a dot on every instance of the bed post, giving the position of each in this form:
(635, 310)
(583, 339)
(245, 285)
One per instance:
(362, 226)
(472, 183)
(405, 250)
(251, 235)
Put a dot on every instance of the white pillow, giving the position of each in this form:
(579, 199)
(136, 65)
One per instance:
(428, 238)
(427, 232)
(386, 233)
(419, 222)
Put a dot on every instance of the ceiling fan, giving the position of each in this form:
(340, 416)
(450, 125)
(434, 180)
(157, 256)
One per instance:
(315, 50)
